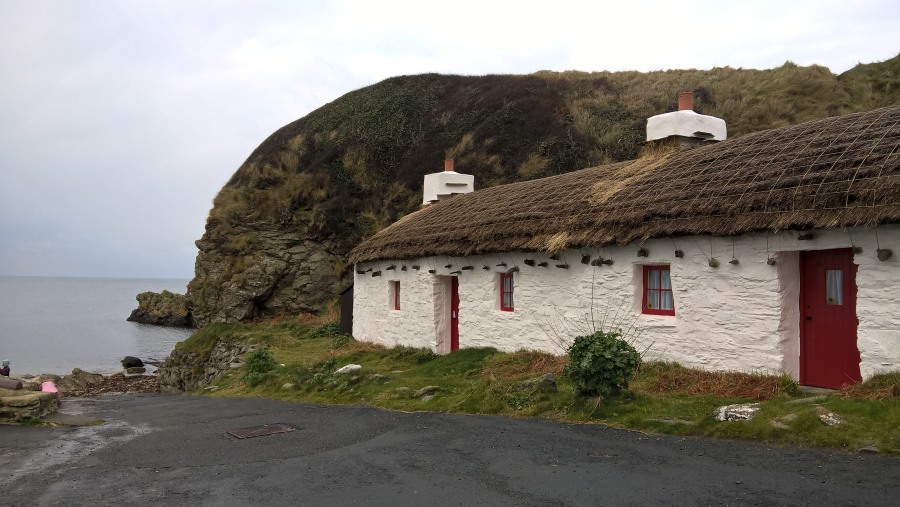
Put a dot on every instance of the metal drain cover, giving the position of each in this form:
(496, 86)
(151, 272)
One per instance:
(259, 431)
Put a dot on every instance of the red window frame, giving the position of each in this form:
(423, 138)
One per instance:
(648, 270)
(396, 284)
(506, 292)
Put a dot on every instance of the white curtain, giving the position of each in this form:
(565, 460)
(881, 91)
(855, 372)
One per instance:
(665, 296)
(834, 286)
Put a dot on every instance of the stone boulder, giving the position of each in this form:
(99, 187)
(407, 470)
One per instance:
(426, 391)
(543, 384)
(742, 412)
(828, 417)
(163, 309)
(79, 380)
(20, 405)
(10, 383)
(350, 368)
(33, 383)
(131, 362)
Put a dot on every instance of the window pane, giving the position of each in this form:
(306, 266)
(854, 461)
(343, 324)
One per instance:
(653, 279)
(653, 299)
(665, 300)
(834, 287)
(506, 291)
(665, 282)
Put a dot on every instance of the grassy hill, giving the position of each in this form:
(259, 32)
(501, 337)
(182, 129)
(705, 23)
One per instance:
(355, 165)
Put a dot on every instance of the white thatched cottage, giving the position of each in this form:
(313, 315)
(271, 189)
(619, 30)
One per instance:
(771, 252)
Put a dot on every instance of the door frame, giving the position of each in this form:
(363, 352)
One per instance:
(446, 328)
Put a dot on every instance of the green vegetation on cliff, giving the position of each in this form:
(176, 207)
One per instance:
(355, 165)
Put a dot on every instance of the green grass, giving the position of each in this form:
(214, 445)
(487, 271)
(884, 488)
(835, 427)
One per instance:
(664, 397)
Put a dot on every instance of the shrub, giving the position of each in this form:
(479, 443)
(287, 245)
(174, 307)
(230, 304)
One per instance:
(259, 363)
(601, 363)
(323, 371)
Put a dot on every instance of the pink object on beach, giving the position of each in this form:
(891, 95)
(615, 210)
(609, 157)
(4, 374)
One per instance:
(48, 387)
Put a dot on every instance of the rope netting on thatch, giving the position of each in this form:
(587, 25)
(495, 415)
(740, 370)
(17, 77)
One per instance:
(835, 172)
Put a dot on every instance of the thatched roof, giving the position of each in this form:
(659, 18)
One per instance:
(835, 172)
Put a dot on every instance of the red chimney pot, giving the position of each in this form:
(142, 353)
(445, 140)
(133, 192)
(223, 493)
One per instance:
(448, 165)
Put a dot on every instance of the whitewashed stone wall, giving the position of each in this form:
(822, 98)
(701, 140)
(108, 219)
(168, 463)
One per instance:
(742, 316)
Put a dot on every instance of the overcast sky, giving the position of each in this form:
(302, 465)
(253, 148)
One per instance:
(120, 120)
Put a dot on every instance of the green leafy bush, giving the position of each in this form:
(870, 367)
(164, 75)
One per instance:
(601, 363)
(323, 371)
(259, 363)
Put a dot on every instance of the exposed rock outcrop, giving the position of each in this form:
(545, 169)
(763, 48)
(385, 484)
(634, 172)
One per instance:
(78, 381)
(186, 370)
(282, 273)
(162, 309)
(23, 405)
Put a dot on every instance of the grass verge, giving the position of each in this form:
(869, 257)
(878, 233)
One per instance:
(664, 397)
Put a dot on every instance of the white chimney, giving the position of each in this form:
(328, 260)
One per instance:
(686, 126)
(439, 186)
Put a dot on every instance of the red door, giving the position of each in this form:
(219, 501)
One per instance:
(454, 315)
(828, 353)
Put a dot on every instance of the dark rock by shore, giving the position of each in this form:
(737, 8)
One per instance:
(162, 309)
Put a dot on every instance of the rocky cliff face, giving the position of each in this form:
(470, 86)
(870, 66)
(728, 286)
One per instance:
(283, 272)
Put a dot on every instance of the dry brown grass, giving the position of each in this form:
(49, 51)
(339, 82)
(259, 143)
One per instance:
(883, 386)
(524, 364)
(669, 378)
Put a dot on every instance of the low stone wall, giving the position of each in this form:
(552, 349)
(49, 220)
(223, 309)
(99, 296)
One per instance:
(185, 371)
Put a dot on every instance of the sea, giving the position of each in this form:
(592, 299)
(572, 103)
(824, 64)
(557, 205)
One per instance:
(53, 325)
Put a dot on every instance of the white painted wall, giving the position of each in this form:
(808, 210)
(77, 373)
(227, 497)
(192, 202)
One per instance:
(735, 317)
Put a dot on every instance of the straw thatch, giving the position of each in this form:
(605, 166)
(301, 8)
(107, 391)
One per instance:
(835, 172)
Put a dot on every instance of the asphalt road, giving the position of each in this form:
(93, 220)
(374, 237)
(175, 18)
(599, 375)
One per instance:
(174, 450)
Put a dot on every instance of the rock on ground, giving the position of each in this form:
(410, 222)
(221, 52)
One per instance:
(21, 406)
(743, 412)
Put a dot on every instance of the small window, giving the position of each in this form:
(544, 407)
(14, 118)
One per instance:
(834, 287)
(658, 298)
(506, 292)
(395, 295)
